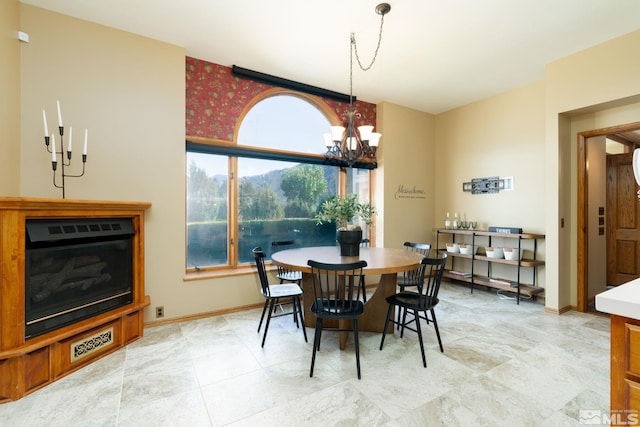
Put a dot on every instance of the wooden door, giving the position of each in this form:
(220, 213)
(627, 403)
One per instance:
(623, 220)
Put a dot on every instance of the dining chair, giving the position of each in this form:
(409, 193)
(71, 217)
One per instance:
(411, 278)
(336, 296)
(364, 244)
(423, 301)
(284, 274)
(290, 292)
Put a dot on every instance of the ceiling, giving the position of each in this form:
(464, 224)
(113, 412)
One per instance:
(435, 55)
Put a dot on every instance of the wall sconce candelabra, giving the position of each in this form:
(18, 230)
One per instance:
(50, 143)
(345, 144)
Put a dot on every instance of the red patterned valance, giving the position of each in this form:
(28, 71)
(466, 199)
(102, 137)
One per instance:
(215, 99)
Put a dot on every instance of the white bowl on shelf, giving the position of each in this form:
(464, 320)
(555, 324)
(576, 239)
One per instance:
(453, 248)
(468, 249)
(493, 252)
(512, 254)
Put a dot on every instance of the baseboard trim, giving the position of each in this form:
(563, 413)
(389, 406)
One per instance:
(197, 316)
(557, 311)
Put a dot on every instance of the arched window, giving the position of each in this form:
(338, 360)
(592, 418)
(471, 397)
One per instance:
(267, 187)
(284, 122)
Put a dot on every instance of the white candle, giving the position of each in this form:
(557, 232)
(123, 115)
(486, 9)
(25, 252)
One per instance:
(86, 135)
(70, 137)
(44, 119)
(59, 115)
(53, 148)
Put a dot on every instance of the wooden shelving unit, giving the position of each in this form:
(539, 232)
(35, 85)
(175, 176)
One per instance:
(515, 286)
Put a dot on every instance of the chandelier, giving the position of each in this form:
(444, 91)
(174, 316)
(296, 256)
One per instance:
(346, 145)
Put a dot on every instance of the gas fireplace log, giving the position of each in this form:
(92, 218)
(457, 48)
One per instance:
(83, 284)
(47, 283)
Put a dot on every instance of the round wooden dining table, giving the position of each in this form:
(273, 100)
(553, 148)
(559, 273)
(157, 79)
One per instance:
(386, 262)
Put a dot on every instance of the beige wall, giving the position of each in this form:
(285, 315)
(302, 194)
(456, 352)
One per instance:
(406, 180)
(500, 136)
(10, 97)
(129, 91)
(602, 78)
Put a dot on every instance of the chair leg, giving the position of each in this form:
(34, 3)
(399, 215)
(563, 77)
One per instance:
(386, 325)
(419, 330)
(357, 344)
(299, 310)
(400, 311)
(435, 324)
(266, 326)
(404, 322)
(264, 310)
(295, 311)
(316, 343)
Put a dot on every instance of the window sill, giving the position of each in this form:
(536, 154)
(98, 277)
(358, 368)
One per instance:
(223, 272)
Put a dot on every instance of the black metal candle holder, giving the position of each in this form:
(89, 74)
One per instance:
(63, 163)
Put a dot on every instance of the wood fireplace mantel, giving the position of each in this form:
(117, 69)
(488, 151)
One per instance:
(29, 364)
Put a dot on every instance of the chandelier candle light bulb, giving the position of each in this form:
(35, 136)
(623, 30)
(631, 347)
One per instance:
(374, 139)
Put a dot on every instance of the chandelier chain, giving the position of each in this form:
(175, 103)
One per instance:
(375, 54)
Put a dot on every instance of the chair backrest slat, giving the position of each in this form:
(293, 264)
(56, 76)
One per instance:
(259, 255)
(415, 277)
(420, 248)
(336, 287)
(281, 245)
(430, 286)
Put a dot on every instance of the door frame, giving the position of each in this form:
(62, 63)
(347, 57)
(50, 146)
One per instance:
(583, 199)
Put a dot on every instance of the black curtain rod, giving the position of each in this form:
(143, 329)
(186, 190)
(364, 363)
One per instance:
(234, 150)
(288, 84)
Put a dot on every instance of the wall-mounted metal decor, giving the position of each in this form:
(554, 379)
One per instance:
(489, 185)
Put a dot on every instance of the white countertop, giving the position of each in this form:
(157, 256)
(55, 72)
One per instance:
(623, 300)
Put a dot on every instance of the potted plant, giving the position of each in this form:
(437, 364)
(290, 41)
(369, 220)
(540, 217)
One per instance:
(343, 210)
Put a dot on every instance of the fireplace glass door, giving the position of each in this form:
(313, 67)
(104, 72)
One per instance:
(75, 269)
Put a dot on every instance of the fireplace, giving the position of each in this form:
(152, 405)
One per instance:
(75, 269)
(71, 286)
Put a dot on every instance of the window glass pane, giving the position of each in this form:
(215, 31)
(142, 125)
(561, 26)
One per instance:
(358, 183)
(207, 207)
(285, 122)
(278, 201)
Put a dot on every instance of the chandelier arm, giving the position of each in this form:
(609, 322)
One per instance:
(375, 54)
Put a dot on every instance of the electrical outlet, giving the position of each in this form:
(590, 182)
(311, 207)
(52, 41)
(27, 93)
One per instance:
(159, 311)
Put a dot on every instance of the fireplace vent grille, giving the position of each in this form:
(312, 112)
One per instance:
(64, 229)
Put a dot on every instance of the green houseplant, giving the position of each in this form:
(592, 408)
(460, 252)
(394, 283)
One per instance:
(343, 210)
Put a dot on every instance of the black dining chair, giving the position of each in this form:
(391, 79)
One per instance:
(364, 244)
(284, 274)
(336, 296)
(411, 279)
(423, 301)
(273, 294)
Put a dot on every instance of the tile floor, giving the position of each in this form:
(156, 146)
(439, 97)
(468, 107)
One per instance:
(503, 365)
